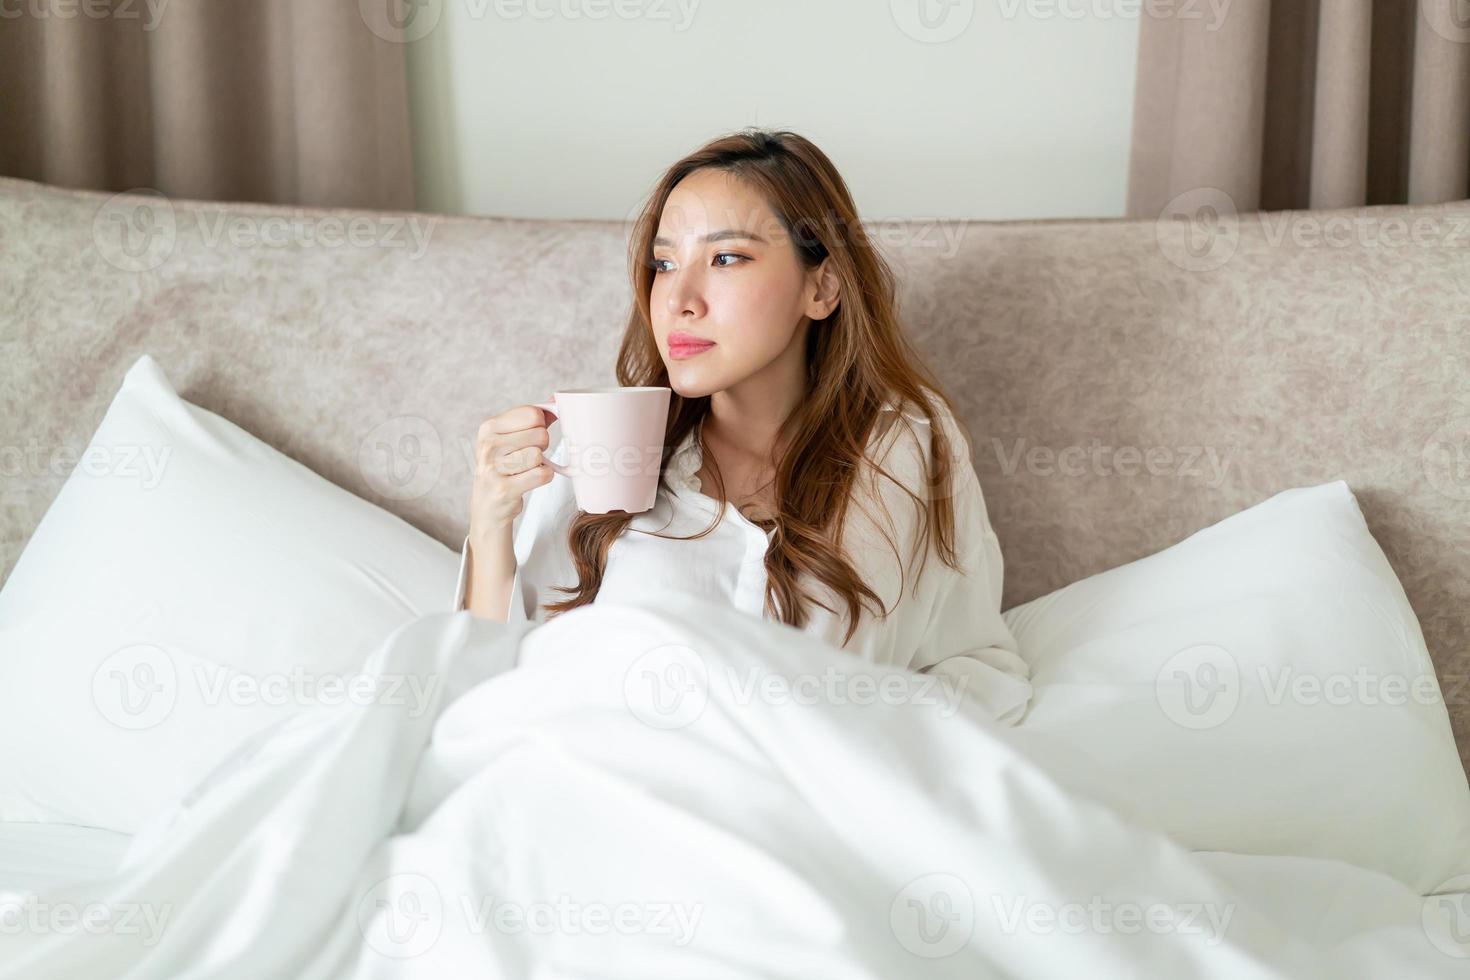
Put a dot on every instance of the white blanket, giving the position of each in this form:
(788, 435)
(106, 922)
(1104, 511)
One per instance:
(632, 792)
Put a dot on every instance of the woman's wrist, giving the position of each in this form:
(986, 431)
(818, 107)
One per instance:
(491, 571)
(485, 537)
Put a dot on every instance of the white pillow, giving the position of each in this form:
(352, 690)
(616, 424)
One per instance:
(182, 553)
(1325, 734)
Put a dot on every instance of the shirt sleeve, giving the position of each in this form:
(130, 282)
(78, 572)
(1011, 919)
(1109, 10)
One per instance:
(966, 640)
(542, 558)
(970, 644)
(943, 621)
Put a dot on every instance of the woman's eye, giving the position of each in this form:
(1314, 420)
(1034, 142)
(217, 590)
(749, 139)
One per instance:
(658, 263)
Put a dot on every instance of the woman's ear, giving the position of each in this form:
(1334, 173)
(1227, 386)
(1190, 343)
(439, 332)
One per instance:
(826, 291)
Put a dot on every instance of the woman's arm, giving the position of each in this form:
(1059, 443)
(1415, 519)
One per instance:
(970, 645)
(509, 465)
(505, 572)
(966, 641)
(491, 567)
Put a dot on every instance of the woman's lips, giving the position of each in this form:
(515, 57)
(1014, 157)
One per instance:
(683, 346)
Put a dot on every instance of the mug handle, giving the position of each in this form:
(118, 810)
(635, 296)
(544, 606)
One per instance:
(550, 406)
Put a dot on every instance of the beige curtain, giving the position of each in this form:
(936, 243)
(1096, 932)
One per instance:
(289, 101)
(1304, 104)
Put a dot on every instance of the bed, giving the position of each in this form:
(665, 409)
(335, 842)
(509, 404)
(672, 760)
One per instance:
(1254, 405)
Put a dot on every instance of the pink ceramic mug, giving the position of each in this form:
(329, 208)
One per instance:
(614, 445)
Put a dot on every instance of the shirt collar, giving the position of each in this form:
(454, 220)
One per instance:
(688, 457)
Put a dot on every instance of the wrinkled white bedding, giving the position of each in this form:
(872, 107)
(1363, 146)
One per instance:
(32, 853)
(634, 792)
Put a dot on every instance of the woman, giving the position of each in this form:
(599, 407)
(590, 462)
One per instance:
(815, 474)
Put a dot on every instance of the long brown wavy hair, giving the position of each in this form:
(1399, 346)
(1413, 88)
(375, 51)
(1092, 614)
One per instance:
(858, 358)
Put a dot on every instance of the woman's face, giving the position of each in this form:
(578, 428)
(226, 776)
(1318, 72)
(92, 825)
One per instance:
(730, 297)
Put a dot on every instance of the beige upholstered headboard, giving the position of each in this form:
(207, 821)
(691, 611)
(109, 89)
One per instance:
(1125, 383)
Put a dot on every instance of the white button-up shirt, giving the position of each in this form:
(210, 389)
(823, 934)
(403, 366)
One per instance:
(950, 624)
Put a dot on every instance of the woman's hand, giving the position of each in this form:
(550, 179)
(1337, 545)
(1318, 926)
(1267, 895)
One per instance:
(509, 462)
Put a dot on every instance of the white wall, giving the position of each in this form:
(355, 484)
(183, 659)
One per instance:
(572, 108)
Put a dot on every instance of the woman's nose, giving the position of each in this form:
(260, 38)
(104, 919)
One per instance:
(685, 296)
